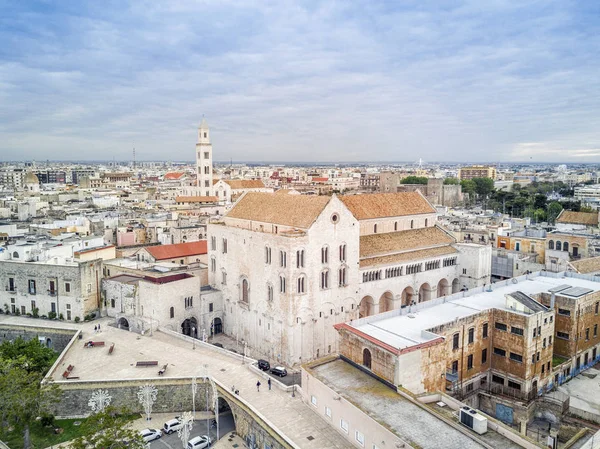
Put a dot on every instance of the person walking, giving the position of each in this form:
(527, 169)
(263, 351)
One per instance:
(258, 385)
(95, 329)
(98, 327)
(269, 383)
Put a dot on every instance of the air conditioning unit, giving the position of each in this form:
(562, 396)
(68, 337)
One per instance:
(470, 418)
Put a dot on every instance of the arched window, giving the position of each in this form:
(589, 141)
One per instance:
(426, 222)
(325, 279)
(301, 284)
(300, 258)
(245, 290)
(566, 246)
(343, 253)
(395, 226)
(375, 228)
(558, 246)
(267, 255)
(342, 276)
(412, 224)
(172, 312)
(551, 244)
(269, 292)
(325, 254)
(281, 284)
(15, 255)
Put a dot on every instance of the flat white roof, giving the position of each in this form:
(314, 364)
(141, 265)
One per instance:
(403, 328)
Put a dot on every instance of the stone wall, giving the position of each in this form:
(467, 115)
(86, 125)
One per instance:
(56, 339)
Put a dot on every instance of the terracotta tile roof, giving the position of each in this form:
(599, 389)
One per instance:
(376, 205)
(408, 256)
(196, 199)
(162, 252)
(410, 240)
(299, 211)
(320, 179)
(585, 266)
(238, 184)
(174, 175)
(585, 218)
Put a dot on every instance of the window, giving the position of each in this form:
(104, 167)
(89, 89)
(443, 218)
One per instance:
(455, 341)
(544, 343)
(224, 246)
(426, 222)
(267, 255)
(595, 330)
(485, 330)
(471, 335)
(360, 438)
(67, 287)
(596, 307)
(213, 264)
(206, 153)
(245, 290)
(500, 326)
(313, 400)
(342, 276)
(550, 341)
(281, 284)
(562, 335)
(112, 302)
(499, 351)
(551, 244)
(343, 253)
(211, 307)
(325, 254)
(587, 334)
(543, 368)
(224, 277)
(412, 224)
(558, 246)
(282, 259)
(327, 412)
(464, 271)
(32, 289)
(515, 385)
(213, 243)
(269, 292)
(172, 312)
(344, 425)
(300, 258)
(300, 286)
(375, 228)
(483, 356)
(534, 332)
(455, 367)
(395, 226)
(516, 357)
(497, 379)
(470, 361)
(325, 279)
(516, 330)
(189, 302)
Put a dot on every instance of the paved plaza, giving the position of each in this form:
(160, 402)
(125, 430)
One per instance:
(184, 359)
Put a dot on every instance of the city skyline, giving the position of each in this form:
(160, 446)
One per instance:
(301, 83)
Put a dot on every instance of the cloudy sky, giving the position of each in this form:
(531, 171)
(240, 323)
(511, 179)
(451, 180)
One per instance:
(482, 80)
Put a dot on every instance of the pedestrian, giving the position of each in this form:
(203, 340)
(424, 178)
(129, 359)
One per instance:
(233, 388)
(95, 329)
(237, 392)
(269, 383)
(98, 327)
(258, 385)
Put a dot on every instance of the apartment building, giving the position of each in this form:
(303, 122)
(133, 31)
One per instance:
(477, 171)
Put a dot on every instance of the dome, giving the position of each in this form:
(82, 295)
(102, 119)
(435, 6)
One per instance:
(31, 178)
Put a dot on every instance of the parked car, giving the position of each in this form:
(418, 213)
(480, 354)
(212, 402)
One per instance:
(279, 371)
(218, 345)
(150, 434)
(199, 442)
(172, 426)
(264, 365)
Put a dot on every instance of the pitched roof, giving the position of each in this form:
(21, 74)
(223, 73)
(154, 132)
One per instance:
(162, 252)
(377, 205)
(174, 175)
(394, 242)
(299, 211)
(585, 266)
(245, 183)
(408, 256)
(196, 199)
(585, 218)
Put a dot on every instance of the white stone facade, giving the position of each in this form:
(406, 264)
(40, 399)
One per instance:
(204, 161)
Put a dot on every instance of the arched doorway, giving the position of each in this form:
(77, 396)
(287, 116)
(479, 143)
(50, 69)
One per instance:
(407, 296)
(455, 285)
(386, 302)
(49, 343)
(366, 307)
(443, 288)
(123, 324)
(217, 326)
(190, 327)
(226, 417)
(366, 358)
(424, 292)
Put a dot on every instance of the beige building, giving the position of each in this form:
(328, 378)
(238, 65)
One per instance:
(477, 171)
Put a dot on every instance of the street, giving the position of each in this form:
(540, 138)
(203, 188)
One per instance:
(172, 441)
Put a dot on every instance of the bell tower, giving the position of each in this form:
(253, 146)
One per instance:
(204, 161)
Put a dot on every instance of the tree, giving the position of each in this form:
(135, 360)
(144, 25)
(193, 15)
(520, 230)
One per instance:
(483, 186)
(451, 181)
(586, 209)
(28, 354)
(109, 429)
(539, 201)
(23, 397)
(468, 186)
(539, 215)
(554, 209)
(414, 180)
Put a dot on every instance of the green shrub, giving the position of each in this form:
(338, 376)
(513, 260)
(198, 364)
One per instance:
(17, 312)
(77, 319)
(47, 420)
(35, 312)
(52, 315)
(61, 317)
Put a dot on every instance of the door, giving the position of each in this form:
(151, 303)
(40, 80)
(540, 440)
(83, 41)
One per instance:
(575, 251)
(367, 358)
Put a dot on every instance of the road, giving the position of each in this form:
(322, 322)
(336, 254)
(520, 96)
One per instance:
(172, 441)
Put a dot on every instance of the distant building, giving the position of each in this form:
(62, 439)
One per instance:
(477, 171)
(204, 161)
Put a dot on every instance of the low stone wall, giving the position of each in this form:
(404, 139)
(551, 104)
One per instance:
(54, 338)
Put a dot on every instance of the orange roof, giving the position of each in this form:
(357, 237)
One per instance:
(196, 199)
(320, 179)
(378, 205)
(585, 218)
(236, 184)
(162, 252)
(174, 175)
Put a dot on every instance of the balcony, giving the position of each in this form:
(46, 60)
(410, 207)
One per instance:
(452, 376)
(11, 289)
(52, 292)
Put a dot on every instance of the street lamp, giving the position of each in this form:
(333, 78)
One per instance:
(193, 338)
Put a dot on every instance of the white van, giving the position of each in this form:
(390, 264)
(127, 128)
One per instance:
(172, 426)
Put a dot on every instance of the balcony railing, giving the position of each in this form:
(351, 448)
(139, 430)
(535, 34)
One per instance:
(52, 292)
(11, 289)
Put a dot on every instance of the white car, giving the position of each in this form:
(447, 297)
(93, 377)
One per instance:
(172, 426)
(150, 434)
(199, 442)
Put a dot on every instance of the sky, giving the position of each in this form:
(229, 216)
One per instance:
(341, 81)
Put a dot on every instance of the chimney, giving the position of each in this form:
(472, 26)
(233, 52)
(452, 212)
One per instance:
(552, 299)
